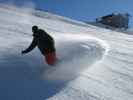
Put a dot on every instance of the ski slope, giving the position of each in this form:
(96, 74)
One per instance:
(95, 63)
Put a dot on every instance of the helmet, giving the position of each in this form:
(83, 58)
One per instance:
(34, 28)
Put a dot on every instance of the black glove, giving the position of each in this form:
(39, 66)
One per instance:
(23, 52)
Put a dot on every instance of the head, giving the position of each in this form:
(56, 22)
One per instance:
(34, 28)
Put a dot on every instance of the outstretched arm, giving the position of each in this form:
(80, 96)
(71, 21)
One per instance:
(31, 47)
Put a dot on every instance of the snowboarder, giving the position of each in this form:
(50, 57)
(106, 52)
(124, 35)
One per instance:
(45, 43)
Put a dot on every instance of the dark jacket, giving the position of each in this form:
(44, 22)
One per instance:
(43, 41)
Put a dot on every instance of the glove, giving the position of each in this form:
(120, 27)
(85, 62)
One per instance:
(23, 52)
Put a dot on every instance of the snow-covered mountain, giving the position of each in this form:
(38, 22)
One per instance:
(95, 63)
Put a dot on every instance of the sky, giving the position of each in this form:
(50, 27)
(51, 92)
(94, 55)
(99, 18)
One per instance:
(82, 10)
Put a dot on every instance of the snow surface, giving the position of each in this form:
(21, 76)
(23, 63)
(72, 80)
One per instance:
(95, 63)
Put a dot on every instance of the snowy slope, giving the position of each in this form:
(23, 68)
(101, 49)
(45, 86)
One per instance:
(99, 66)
